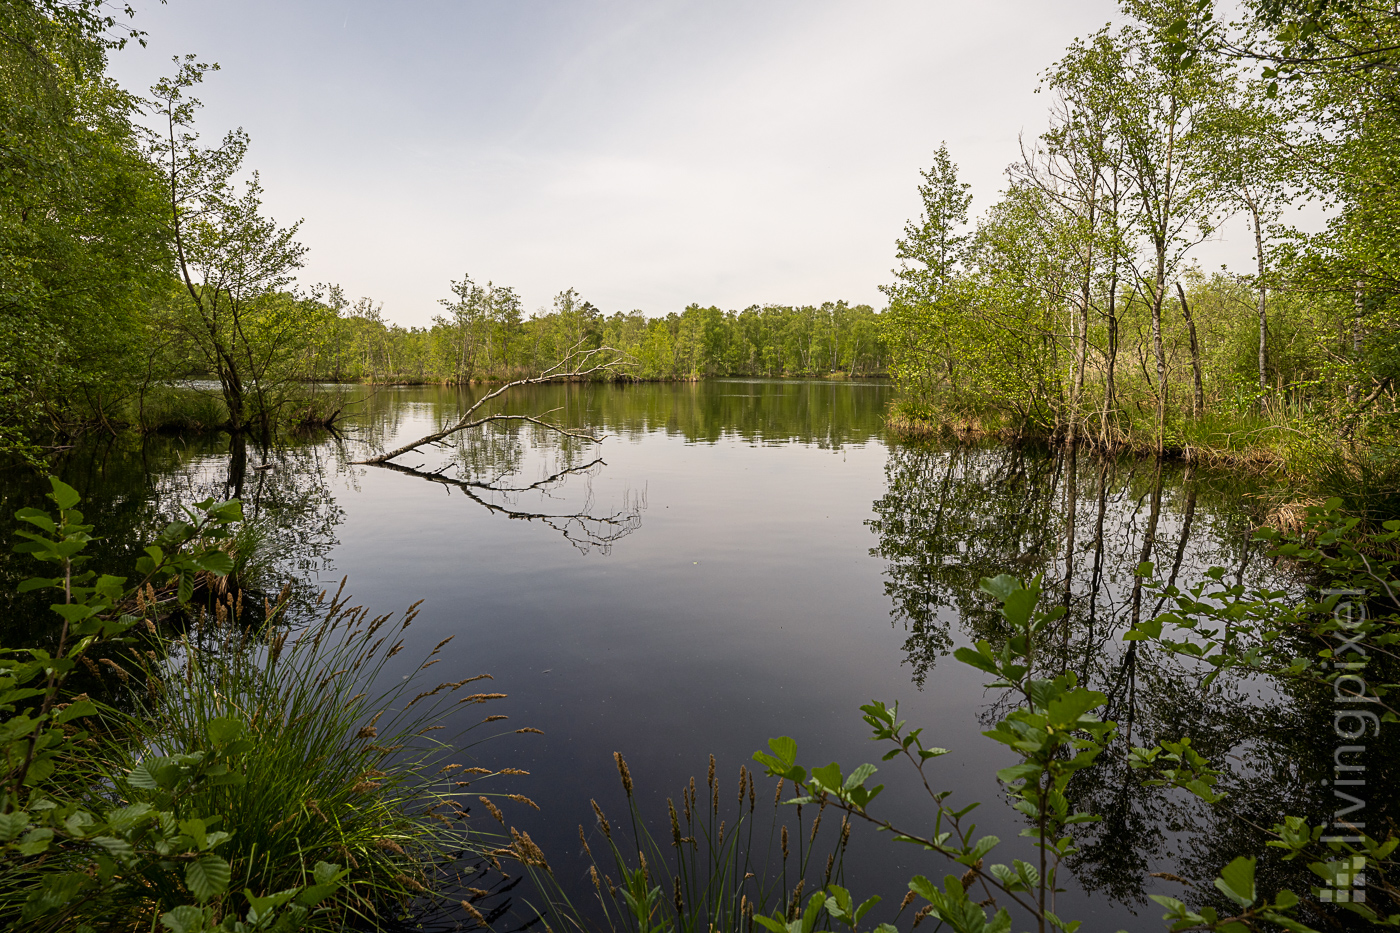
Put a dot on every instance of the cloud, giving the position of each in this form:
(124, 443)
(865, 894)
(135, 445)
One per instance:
(650, 153)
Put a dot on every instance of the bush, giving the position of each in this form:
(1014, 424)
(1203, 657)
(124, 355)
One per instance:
(262, 782)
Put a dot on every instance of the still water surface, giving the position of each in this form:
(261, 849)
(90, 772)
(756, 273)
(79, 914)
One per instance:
(749, 559)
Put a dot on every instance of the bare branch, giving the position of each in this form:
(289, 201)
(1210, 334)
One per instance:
(576, 364)
(580, 528)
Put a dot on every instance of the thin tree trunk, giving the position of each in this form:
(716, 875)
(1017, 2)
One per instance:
(1263, 302)
(1159, 350)
(1198, 401)
(1071, 505)
(1110, 378)
(1358, 308)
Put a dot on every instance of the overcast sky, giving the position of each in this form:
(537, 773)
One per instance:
(650, 153)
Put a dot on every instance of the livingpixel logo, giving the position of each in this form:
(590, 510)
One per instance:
(1350, 721)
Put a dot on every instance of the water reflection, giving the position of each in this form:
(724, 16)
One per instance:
(753, 495)
(760, 411)
(950, 517)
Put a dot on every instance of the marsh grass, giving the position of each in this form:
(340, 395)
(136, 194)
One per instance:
(1366, 480)
(1242, 439)
(735, 852)
(180, 409)
(347, 766)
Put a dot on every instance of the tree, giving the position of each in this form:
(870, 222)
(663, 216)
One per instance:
(82, 248)
(930, 253)
(1080, 169)
(232, 261)
(1165, 104)
(1253, 175)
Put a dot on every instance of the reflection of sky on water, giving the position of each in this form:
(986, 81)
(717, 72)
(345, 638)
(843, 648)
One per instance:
(746, 601)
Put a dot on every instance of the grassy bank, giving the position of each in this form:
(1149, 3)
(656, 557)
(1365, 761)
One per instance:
(1307, 460)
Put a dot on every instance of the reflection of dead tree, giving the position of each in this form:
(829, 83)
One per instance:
(578, 364)
(582, 530)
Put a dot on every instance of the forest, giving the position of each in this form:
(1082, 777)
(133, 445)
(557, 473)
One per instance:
(137, 258)
(1074, 307)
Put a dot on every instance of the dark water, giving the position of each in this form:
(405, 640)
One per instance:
(750, 559)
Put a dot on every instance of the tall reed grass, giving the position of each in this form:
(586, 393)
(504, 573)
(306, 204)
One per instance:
(346, 767)
(734, 853)
(175, 408)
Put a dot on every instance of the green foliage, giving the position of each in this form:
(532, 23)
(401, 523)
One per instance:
(81, 245)
(71, 853)
(1054, 732)
(199, 812)
(484, 338)
(1076, 310)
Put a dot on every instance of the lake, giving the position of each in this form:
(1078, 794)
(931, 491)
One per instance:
(743, 559)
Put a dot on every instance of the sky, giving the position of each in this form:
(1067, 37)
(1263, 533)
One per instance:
(648, 153)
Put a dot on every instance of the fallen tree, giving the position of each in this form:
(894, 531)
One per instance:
(577, 364)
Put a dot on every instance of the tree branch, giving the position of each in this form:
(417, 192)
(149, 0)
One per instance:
(576, 364)
(580, 528)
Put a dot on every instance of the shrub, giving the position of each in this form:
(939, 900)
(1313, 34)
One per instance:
(262, 782)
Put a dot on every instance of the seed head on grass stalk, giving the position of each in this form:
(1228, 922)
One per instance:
(716, 878)
(342, 767)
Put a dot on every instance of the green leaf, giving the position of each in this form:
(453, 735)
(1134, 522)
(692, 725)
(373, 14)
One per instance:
(785, 747)
(207, 876)
(1145, 630)
(1066, 709)
(924, 888)
(1288, 923)
(328, 872)
(1236, 881)
(214, 561)
(999, 587)
(865, 906)
(976, 659)
(12, 824)
(35, 841)
(1018, 607)
(38, 518)
(115, 846)
(73, 612)
(74, 710)
(64, 495)
(1021, 772)
(184, 919)
(224, 729)
(194, 828)
(858, 777)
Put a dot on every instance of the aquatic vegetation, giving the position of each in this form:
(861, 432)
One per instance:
(236, 777)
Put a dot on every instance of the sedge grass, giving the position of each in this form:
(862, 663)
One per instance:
(729, 855)
(345, 767)
(175, 408)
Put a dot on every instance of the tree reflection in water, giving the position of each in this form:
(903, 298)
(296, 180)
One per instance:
(952, 516)
(525, 471)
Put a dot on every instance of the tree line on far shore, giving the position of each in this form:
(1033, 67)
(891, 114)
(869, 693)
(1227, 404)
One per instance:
(134, 254)
(483, 335)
